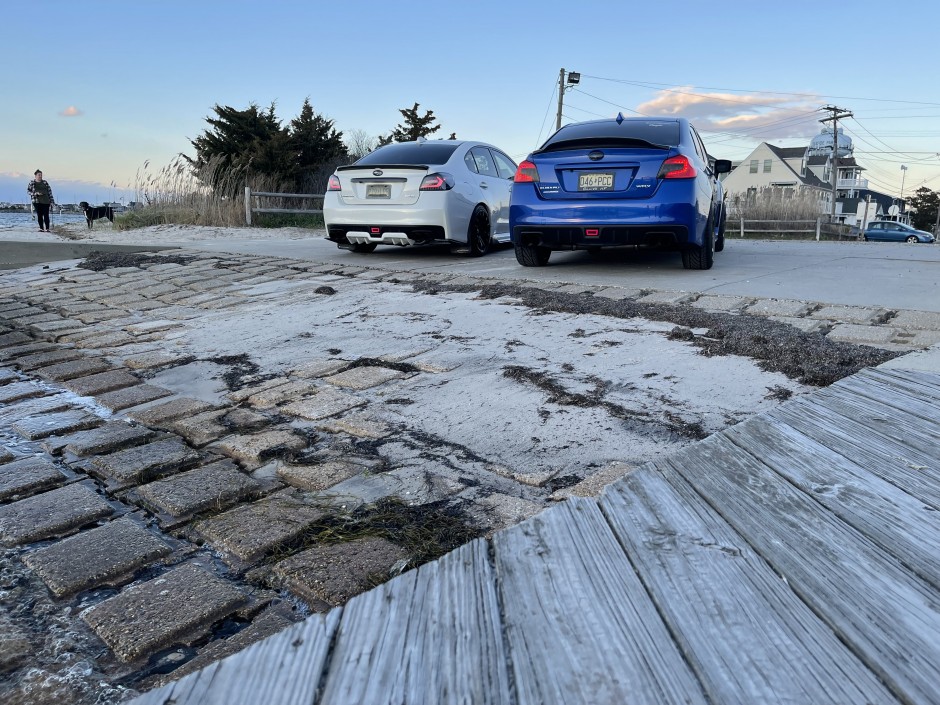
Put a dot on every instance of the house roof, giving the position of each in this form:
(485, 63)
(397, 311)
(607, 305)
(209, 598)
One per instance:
(787, 152)
(818, 159)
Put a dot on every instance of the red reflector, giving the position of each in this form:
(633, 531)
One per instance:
(592, 232)
(527, 173)
(375, 231)
(677, 168)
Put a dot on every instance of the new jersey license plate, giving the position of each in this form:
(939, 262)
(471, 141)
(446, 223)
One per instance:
(595, 182)
(378, 191)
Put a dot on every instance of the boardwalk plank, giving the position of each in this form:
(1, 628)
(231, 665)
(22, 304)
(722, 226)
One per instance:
(924, 384)
(284, 669)
(430, 636)
(748, 636)
(913, 464)
(580, 625)
(883, 612)
(904, 402)
(902, 525)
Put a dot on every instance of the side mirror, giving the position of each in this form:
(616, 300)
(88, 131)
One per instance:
(722, 166)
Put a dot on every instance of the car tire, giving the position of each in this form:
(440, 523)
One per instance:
(478, 232)
(912, 239)
(532, 255)
(701, 257)
(365, 247)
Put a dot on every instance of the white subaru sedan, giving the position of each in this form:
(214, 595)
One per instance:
(425, 192)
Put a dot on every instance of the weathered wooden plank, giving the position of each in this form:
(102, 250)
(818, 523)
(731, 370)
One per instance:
(433, 635)
(925, 384)
(883, 612)
(581, 627)
(882, 417)
(901, 459)
(748, 636)
(904, 402)
(899, 523)
(284, 669)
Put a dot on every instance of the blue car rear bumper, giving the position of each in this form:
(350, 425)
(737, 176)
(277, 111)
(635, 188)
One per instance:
(563, 224)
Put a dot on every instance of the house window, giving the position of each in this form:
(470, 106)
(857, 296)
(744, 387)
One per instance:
(767, 163)
(753, 166)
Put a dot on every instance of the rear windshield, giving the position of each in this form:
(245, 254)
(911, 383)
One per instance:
(661, 132)
(411, 153)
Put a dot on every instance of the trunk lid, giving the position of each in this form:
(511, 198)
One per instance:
(608, 173)
(380, 184)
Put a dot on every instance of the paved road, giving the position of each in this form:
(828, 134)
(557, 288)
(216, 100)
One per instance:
(897, 276)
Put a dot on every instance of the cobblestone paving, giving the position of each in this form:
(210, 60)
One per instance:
(156, 529)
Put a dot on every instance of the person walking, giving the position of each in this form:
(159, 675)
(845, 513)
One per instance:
(40, 192)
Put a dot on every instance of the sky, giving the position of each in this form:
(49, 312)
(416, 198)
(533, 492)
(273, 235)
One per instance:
(97, 89)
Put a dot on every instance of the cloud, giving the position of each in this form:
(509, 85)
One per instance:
(71, 111)
(761, 116)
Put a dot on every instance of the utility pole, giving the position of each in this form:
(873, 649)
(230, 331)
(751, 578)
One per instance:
(574, 79)
(836, 114)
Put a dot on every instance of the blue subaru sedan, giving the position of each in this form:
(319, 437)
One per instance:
(608, 183)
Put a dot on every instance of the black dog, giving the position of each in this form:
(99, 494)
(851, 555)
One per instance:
(92, 213)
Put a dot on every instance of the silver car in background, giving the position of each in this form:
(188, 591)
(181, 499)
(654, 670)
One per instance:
(424, 192)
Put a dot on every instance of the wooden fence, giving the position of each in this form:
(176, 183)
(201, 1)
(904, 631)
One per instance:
(793, 229)
(250, 209)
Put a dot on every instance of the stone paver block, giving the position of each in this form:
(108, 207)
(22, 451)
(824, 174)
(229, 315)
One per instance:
(77, 368)
(15, 646)
(141, 463)
(807, 325)
(251, 531)
(505, 510)
(103, 556)
(148, 361)
(240, 395)
(27, 476)
(7, 376)
(101, 383)
(779, 307)
(151, 616)
(526, 477)
(328, 575)
(255, 448)
(109, 340)
(864, 335)
(364, 377)
(360, 426)
(593, 485)
(20, 390)
(5, 455)
(55, 424)
(668, 297)
(245, 420)
(319, 368)
(131, 396)
(44, 359)
(170, 410)
(17, 351)
(151, 327)
(281, 393)
(51, 513)
(326, 402)
(317, 477)
(717, 302)
(98, 316)
(157, 290)
(851, 314)
(920, 320)
(15, 338)
(112, 436)
(925, 338)
(201, 428)
(211, 487)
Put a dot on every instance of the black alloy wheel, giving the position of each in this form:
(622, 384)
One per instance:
(478, 233)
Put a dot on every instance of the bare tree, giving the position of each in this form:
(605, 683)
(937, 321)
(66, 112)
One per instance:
(359, 143)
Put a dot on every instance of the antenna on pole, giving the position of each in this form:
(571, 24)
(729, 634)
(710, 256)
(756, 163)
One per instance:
(574, 78)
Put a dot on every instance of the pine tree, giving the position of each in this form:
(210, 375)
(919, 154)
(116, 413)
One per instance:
(315, 146)
(412, 127)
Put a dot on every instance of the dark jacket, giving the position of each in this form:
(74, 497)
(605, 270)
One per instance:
(40, 192)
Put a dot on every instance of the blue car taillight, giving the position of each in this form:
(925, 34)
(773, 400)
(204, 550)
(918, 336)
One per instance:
(678, 167)
(527, 173)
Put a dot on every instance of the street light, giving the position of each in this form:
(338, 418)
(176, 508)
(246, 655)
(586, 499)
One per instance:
(903, 174)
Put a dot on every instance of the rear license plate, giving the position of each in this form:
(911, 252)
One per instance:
(378, 191)
(595, 182)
